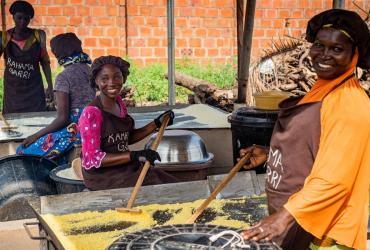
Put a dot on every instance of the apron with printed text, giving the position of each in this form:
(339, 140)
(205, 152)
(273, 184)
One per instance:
(23, 87)
(293, 149)
(115, 133)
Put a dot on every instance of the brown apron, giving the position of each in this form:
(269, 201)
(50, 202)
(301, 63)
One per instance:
(293, 149)
(115, 133)
(23, 87)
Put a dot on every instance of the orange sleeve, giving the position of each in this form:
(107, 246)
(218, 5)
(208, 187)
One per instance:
(344, 145)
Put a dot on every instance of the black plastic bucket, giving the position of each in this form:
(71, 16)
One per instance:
(66, 185)
(22, 177)
(251, 126)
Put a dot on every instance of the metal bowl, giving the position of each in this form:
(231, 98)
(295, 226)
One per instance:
(181, 147)
(270, 99)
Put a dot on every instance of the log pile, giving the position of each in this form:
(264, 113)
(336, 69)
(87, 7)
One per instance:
(286, 67)
(205, 92)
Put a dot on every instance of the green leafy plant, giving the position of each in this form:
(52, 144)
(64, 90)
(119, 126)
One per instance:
(152, 86)
(222, 75)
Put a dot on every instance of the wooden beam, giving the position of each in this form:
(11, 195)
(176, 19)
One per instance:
(239, 31)
(247, 47)
(338, 4)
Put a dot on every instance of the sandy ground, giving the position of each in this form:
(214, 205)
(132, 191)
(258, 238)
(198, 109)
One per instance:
(13, 236)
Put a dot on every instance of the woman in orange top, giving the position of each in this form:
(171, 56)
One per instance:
(318, 164)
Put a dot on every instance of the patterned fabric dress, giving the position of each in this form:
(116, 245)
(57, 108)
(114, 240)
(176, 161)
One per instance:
(55, 144)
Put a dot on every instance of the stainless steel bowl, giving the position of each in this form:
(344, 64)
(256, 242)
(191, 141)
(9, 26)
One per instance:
(181, 147)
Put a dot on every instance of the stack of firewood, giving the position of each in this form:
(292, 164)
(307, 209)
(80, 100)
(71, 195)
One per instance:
(286, 68)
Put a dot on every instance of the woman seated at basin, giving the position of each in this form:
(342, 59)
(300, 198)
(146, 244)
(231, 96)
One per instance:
(107, 130)
(72, 91)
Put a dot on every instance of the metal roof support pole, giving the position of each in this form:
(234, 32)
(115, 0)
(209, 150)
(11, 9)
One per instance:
(126, 29)
(246, 54)
(338, 4)
(171, 52)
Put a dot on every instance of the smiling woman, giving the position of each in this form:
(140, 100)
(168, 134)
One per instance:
(319, 156)
(73, 92)
(107, 130)
(331, 53)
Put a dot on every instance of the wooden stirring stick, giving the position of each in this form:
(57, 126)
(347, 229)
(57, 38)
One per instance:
(3, 18)
(219, 187)
(145, 169)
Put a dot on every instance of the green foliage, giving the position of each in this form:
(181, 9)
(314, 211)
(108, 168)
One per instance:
(222, 75)
(151, 85)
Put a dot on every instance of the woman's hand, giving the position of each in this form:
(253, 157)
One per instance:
(49, 93)
(270, 227)
(58, 123)
(259, 156)
(159, 120)
(145, 155)
(29, 140)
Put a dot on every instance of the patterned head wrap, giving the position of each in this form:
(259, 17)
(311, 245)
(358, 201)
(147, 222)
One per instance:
(67, 49)
(103, 60)
(347, 22)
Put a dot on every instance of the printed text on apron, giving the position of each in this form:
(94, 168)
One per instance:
(23, 87)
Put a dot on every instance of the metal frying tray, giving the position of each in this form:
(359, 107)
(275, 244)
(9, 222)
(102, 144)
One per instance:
(109, 199)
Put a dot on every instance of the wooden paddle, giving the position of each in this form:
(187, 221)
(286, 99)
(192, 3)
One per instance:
(145, 169)
(3, 17)
(219, 187)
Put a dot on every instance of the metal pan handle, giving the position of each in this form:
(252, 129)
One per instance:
(26, 226)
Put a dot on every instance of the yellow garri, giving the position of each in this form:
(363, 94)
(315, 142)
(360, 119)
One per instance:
(97, 230)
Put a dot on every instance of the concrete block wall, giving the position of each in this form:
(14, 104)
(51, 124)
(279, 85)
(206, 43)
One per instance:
(205, 30)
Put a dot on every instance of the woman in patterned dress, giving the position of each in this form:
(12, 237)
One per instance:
(73, 92)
